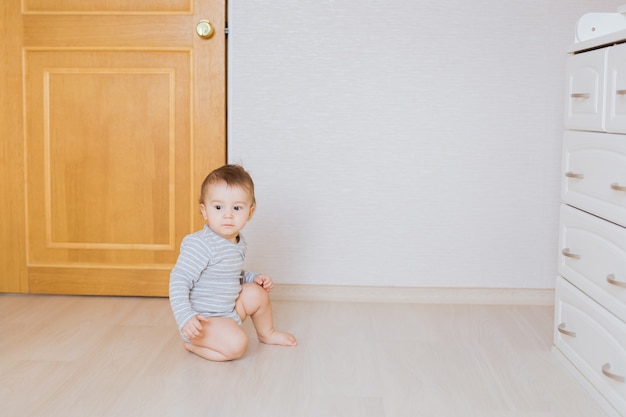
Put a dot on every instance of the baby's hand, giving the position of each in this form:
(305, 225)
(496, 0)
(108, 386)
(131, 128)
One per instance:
(193, 328)
(264, 281)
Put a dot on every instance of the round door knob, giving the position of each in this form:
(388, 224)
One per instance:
(204, 29)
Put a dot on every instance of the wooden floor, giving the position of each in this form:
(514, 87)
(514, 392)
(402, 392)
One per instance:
(98, 356)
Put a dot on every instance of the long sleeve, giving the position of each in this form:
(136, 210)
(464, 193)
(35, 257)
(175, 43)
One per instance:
(189, 266)
(207, 277)
(248, 276)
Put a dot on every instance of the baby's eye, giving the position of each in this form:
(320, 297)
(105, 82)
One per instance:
(237, 208)
(218, 207)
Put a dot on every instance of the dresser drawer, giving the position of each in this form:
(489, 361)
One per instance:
(585, 99)
(593, 258)
(594, 173)
(615, 119)
(593, 340)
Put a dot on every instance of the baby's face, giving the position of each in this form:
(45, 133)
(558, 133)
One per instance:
(227, 210)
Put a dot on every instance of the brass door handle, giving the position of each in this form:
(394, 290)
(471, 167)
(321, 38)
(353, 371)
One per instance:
(204, 29)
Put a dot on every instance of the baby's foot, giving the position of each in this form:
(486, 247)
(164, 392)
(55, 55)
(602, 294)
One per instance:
(278, 338)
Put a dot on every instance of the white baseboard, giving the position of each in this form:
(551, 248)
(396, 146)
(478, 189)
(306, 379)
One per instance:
(493, 296)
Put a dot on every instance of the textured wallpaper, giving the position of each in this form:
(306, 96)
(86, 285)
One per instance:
(402, 143)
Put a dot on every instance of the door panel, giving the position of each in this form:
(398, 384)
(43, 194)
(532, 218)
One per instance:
(101, 6)
(123, 115)
(99, 181)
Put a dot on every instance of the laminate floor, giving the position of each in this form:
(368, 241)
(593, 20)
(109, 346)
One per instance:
(106, 356)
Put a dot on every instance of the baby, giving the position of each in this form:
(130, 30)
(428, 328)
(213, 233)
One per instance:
(209, 292)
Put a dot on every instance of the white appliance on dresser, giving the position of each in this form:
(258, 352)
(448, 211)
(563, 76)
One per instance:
(590, 305)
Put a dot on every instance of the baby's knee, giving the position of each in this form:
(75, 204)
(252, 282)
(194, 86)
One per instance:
(237, 348)
(256, 292)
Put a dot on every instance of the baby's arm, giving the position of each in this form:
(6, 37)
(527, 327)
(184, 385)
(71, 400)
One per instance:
(187, 270)
(263, 280)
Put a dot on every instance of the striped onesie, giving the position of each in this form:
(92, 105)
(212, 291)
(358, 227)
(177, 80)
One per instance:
(207, 277)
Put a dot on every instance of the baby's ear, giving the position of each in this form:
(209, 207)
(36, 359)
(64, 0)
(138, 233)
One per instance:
(203, 211)
(252, 209)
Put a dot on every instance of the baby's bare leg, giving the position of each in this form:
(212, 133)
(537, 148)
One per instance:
(254, 301)
(222, 340)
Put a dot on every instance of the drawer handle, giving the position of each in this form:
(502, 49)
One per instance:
(620, 92)
(569, 254)
(615, 186)
(569, 333)
(606, 370)
(571, 174)
(580, 95)
(611, 280)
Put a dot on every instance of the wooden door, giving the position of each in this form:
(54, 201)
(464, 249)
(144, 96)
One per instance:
(112, 112)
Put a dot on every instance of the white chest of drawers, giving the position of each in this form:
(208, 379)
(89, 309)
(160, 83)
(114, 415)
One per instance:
(590, 307)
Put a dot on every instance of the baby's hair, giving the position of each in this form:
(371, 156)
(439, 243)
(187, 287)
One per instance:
(232, 176)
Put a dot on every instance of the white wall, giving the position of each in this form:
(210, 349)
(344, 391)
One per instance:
(402, 143)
